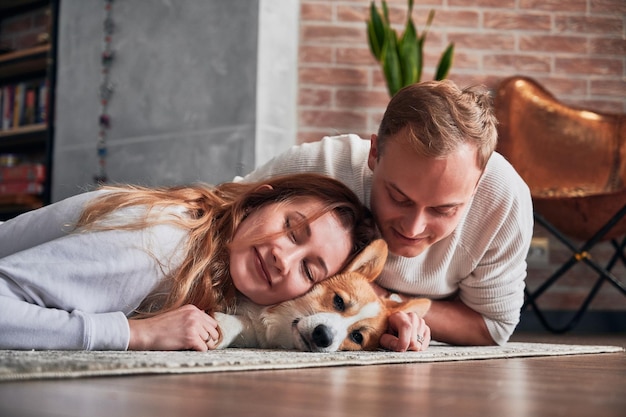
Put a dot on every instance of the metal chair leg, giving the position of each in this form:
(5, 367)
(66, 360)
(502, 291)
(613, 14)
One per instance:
(580, 255)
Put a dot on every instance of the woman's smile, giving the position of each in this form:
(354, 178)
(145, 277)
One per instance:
(261, 268)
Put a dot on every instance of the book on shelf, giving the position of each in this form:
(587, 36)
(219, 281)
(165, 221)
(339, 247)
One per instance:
(25, 172)
(30, 108)
(7, 108)
(20, 187)
(18, 104)
(41, 115)
(24, 103)
(26, 178)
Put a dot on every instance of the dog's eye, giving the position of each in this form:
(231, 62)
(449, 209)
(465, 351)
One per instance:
(338, 303)
(356, 337)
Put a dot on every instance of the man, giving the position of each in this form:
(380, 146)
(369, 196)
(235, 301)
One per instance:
(456, 216)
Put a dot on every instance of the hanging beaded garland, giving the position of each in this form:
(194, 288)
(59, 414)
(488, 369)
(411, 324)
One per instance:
(106, 91)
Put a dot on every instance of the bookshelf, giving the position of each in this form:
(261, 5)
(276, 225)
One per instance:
(27, 87)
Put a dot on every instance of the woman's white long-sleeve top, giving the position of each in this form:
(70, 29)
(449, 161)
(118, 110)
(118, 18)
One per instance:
(74, 290)
(483, 260)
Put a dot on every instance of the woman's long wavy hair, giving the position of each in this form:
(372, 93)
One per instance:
(213, 214)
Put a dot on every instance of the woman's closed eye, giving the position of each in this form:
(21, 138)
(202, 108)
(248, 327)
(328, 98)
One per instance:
(290, 231)
(306, 270)
(297, 236)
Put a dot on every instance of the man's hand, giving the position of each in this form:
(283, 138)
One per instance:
(407, 331)
(186, 328)
(448, 321)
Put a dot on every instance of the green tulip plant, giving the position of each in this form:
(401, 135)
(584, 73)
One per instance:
(402, 59)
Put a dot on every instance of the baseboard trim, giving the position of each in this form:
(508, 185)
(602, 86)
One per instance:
(591, 322)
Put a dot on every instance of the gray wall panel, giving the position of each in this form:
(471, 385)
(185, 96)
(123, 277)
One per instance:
(184, 106)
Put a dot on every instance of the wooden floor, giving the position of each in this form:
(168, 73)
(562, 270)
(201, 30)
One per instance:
(570, 386)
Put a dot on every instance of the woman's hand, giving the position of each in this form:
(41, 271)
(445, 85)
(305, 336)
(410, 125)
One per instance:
(407, 331)
(186, 328)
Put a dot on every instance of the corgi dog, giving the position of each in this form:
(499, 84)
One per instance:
(342, 312)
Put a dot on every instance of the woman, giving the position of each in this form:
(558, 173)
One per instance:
(138, 268)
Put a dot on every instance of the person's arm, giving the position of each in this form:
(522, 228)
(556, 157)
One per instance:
(455, 323)
(33, 264)
(70, 293)
(341, 157)
(24, 325)
(185, 328)
(42, 225)
(76, 291)
(487, 307)
(448, 321)
(29, 326)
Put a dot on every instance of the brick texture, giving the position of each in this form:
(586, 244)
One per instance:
(575, 48)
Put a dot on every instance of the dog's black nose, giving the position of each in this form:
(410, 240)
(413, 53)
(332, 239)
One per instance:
(322, 337)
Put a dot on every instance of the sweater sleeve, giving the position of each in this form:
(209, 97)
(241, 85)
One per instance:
(498, 236)
(341, 157)
(76, 291)
(42, 225)
(30, 326)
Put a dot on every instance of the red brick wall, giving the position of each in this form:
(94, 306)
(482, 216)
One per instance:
(575, 48)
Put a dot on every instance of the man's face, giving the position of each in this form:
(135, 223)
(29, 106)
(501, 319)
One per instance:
(418, 201)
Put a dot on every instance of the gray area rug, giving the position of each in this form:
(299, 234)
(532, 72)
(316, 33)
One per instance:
(23, 365)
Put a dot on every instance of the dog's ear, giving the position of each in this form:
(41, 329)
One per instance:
(370, 261)
(416, 305)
